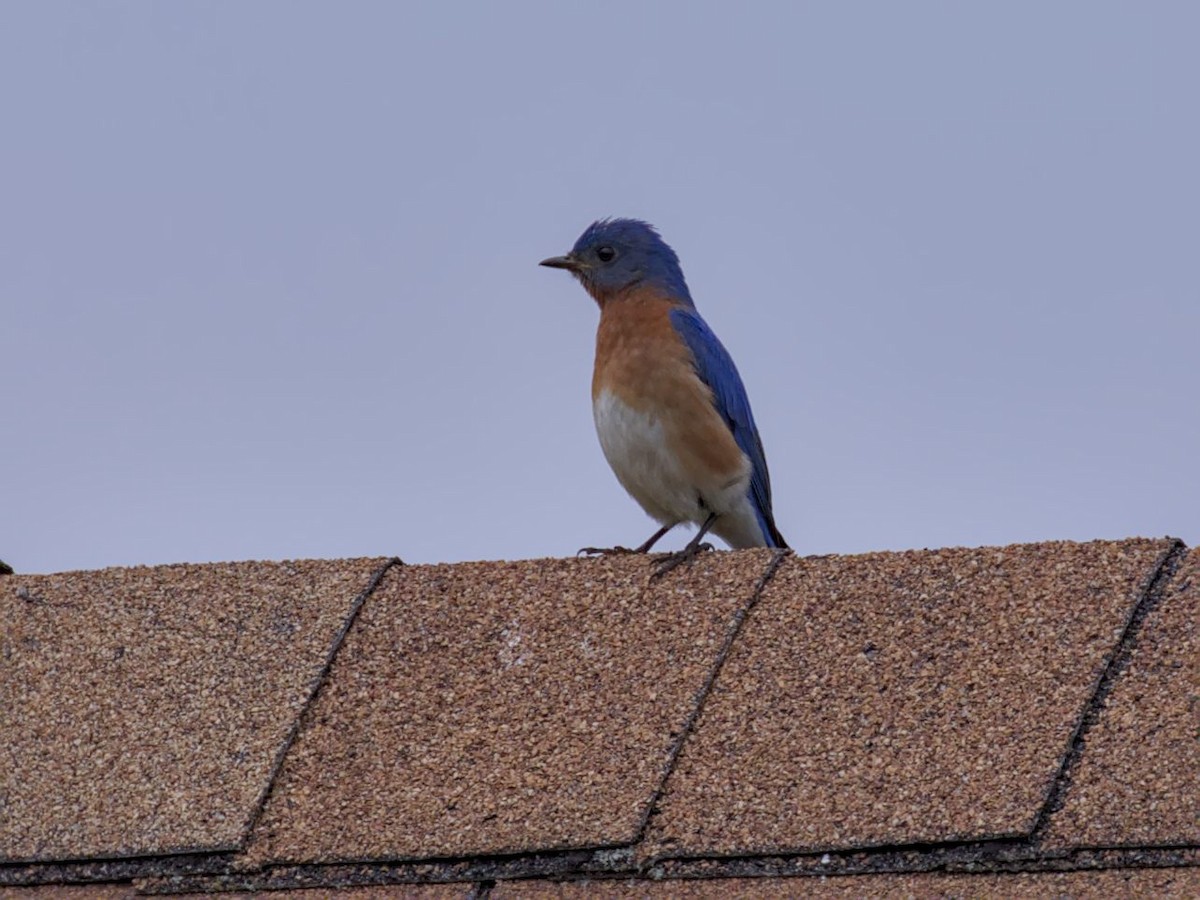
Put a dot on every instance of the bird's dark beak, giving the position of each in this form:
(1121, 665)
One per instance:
(561, 262)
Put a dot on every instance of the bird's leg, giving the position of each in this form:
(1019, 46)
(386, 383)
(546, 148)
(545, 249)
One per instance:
(642, 548)
(645, 546)
(688, 553)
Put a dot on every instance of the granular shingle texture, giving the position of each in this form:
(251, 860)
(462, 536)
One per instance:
(462, 891)
(1138, 780)
(70, 892)
(1017, 722)
(143, 709)
(503, 707)
(901, 698)
(456, 891)
(1168, 884)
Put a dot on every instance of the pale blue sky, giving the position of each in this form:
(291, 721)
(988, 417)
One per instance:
(269, 282)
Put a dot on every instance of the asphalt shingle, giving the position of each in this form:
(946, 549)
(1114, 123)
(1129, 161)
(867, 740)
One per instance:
(1138, 780)
(1167, 884)
(901, 698)
(144, 709)
(487, 708)
(875, 722)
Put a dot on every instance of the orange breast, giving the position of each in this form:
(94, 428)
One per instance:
(643, 361)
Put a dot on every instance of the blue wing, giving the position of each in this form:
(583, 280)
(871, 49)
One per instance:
(715, 367)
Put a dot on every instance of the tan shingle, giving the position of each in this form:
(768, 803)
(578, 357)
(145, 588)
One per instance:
(129, 892)
(1150, 883)
(144, 709)
(457, 891)
(70, 892)
(514, 721)
(1138, 781)
(501, 707)
(901, 698)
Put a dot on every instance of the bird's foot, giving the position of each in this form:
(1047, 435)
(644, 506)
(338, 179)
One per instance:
(670, 561)
(604, 551)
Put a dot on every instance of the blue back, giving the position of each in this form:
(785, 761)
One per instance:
(715, 367)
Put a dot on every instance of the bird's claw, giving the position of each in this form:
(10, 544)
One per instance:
(674, 560)
(603, 551)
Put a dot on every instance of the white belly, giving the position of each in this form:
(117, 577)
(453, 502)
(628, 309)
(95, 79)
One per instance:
(636, 446)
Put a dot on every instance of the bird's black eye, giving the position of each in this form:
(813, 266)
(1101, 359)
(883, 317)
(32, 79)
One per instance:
(606, 254)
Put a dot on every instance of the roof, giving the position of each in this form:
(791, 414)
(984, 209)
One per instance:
(1019, 720)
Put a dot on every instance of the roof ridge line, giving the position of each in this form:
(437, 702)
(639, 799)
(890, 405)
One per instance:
(1152, 592)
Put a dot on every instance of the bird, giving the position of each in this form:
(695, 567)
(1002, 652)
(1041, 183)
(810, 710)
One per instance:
(670, 409)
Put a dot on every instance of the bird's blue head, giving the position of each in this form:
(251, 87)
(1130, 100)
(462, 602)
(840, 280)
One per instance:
(613, 255)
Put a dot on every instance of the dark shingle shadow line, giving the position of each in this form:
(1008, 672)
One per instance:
(314, 690)
(963, 857)
(701, 696)
(483, 872)
(183, 863)
(482, 869)
(1151, 594)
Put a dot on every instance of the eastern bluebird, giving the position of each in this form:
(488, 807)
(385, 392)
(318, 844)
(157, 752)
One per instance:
(671, 412)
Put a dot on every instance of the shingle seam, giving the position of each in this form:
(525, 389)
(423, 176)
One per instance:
(964, 859)
(484, 871)
(314, 690)
(1152, 592)
(705, 690)
(99, 871)
(990, 846)
(990, 852)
